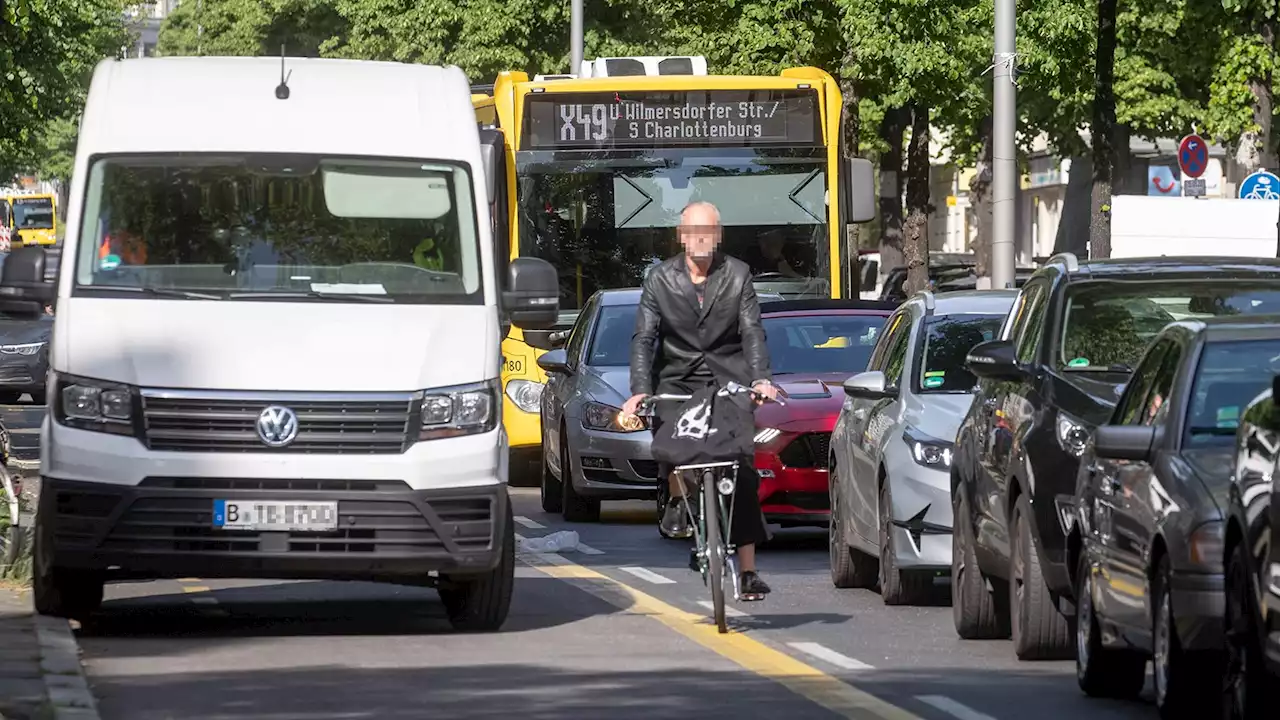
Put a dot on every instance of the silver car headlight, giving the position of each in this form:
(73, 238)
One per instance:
(607, 418)
(459, 410)
(1073, 436)
(928, 451)
(525, 394)
(21, 349)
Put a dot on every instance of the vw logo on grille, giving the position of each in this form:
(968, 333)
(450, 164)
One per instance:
(277, 426)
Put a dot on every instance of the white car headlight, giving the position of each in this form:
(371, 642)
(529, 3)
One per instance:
(21, 349)
(1073, 436)
(525, 394)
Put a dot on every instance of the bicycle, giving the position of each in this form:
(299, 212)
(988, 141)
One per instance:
(715, 482)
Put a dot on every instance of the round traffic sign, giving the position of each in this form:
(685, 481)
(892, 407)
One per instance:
(1261, 185)
(1193, 156)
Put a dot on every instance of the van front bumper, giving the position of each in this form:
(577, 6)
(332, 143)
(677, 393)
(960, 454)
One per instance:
(163, 528)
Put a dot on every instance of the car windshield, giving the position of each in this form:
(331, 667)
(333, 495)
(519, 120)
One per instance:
(33, 213)
(1231, 375)
(947, 341)
(303, 228)
(1107, 325)
(611, 342)
(821, 343)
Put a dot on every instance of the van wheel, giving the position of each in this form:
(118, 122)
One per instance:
(575, 507)
(850, 568)
(1040, 632)
(978, 613)
(480, 603)
(549, 487)
(62, 592)
(1100, 671)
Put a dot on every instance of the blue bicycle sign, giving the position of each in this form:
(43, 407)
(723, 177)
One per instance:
(1261, 185)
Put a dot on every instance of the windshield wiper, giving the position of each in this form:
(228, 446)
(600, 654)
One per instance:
(152, 291)
(312, 294)
(1211, 430)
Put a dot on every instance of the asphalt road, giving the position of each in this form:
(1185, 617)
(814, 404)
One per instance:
(614, 629)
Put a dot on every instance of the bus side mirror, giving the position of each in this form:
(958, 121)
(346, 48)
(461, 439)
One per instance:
(24, 289)
(490, 156)
(532, 298)
(860, 190)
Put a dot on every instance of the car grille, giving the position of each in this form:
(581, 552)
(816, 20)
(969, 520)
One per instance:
(807, 451)
(230, 425)
(16, 375)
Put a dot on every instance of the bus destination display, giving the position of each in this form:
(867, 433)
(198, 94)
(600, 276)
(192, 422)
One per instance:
(699, 118)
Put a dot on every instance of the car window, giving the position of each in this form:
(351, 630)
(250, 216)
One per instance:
(1230, 376)
(1108, 324)
(947, 340)
(578, 336)
(896, 357)
(611, 342)
(1028, 337)
(898, 323)
(1156, 407)
(821, 343)
(1132, 403)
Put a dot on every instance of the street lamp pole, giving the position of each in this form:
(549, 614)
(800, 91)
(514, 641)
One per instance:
(1004, 149)
(575, 37)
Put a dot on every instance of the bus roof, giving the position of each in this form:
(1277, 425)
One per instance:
(788, 78)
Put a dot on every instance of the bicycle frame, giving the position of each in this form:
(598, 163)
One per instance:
(725, 486)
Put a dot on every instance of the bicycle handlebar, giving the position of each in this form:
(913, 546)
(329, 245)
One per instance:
(732, 388)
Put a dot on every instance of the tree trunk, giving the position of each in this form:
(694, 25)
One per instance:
(1254, 152)
(891, 129)
(916, 245)
(1121, 182)
(851, 131)
(980, 206)
(1102, 132)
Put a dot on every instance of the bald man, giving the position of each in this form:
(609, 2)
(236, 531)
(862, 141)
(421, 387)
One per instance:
(699, 311)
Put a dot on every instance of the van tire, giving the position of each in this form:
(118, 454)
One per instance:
(480, 603)
(62, 592)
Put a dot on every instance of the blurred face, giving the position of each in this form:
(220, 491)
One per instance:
(700, 232)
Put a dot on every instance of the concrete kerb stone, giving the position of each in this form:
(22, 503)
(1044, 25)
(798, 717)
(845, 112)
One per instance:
(65, 682)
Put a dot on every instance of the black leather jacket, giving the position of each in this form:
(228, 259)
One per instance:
(725, 331)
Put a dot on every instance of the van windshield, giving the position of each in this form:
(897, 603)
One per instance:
(301, 228)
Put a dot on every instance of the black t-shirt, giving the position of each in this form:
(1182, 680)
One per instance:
(698, 371)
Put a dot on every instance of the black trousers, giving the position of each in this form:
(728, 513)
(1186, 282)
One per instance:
(748, 525)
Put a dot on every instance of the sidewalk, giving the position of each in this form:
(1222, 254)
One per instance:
(40, 673)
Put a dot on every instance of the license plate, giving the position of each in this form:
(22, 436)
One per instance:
(265, 515)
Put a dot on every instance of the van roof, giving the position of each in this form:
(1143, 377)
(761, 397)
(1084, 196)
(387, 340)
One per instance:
(229, 104)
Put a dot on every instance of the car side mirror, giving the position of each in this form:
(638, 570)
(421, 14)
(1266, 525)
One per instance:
(532, 298)
(995, 360)
(869, 385)
(24, 289)
(1124, 442)
(554, 361)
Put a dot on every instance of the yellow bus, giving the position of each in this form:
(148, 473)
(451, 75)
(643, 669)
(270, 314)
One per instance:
(32, 218)
(593, 172)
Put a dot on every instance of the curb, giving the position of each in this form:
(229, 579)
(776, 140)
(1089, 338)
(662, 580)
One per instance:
(64, 679)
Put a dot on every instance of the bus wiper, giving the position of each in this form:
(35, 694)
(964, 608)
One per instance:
(152, 291)
(312, 294)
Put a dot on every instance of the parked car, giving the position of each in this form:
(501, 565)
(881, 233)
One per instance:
(1148, 533)
(1251, 558)
(891, 449)
(24, 357)
(588, 457)
(1062, 358)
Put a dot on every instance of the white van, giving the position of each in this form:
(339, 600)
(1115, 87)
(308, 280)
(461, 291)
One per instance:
(276, 352)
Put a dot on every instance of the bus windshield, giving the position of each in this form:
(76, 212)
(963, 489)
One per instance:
(33, 213)
(603, 218)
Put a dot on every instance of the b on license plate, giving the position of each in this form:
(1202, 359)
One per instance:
(264, 515)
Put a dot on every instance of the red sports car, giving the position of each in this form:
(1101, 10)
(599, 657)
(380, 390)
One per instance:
(814, 346)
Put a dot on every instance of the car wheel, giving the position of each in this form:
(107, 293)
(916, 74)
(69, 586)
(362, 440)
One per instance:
(481, 603)
(897, 587)
(1040, 632)
(1247, 691)
(850, 568)
(1186, 683)
(978, 613)
(550, 492)
(575, 507)
(1101, 671)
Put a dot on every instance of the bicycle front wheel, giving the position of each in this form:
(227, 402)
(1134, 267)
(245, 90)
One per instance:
(715, 546)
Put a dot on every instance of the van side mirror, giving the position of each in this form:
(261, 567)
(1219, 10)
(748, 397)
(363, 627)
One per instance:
(24, 289)
(860, 190)
(532, 297)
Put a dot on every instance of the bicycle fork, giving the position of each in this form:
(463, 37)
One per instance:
(726, 498)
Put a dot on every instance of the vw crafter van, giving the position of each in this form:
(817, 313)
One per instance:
(254, 372)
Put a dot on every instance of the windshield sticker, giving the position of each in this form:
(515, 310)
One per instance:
(1079, 362)
(110, 262)
(933, 381)
(1228, 417)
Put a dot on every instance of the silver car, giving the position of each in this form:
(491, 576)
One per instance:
(892, 444)
(586, 455)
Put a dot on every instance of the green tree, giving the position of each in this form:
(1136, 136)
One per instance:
(48, 49)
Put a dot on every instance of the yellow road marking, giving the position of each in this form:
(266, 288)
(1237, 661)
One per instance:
(199, 598)
(801, 678)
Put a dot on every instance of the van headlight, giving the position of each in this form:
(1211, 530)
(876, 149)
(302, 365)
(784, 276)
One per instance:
(525, 394)
(459, 410)
(94, 405)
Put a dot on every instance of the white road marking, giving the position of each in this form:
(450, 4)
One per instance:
(831, 656)
(648, 575)
(531, 524)
(952, 708)
(728, 611)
